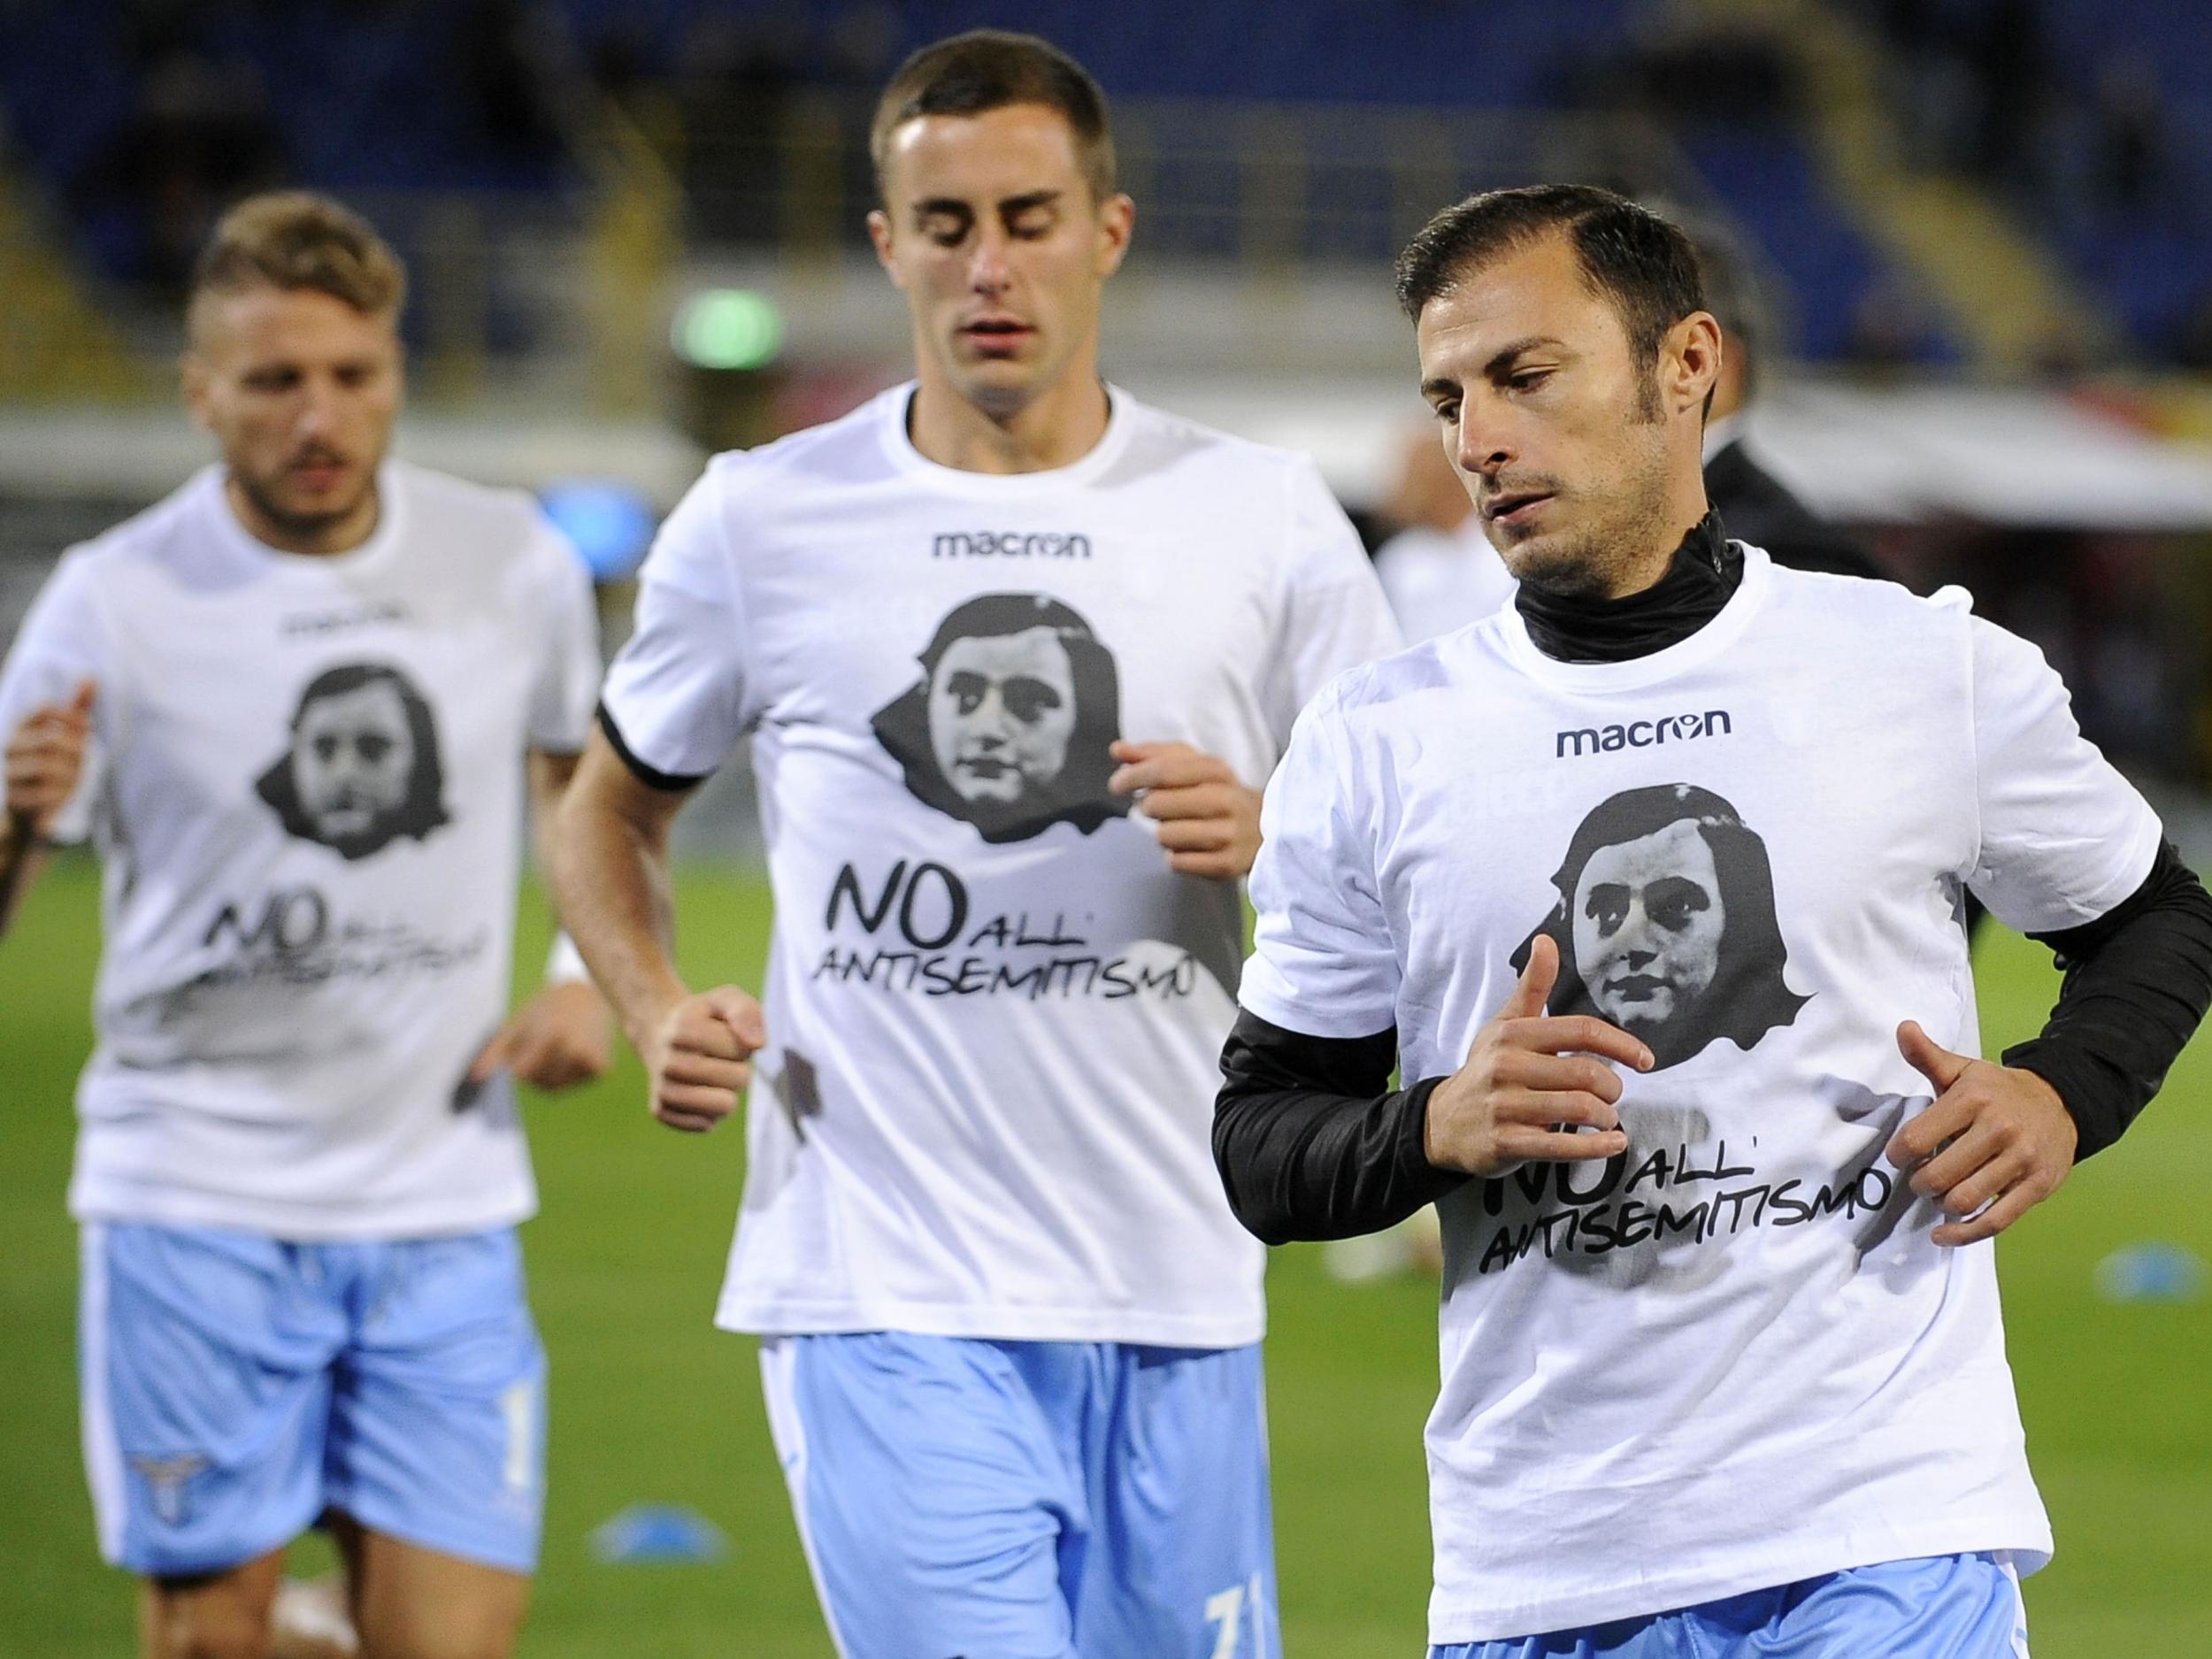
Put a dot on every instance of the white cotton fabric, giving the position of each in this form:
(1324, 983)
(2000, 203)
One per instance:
(1733, 1358)
(286, 1011)
(984, 1109)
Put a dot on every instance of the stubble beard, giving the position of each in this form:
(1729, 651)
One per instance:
(296, 526)
(1573, 568)
(1590, 562)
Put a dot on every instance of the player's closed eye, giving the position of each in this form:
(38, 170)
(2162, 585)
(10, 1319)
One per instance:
(947, 230)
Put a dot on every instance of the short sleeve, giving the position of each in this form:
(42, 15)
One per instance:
(675, 696)
(1323, 961)
(1336, 615)
(63, 643)
(2064, 837)
(568, 673)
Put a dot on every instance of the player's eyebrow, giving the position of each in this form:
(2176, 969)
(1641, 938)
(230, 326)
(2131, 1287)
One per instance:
(950, 206)
(1022, 204)
(1501, 362)
(1502, 359)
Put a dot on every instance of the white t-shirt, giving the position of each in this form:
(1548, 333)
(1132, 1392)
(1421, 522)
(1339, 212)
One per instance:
(306, 790)
(995, 1016)
(1732, 1358)
(1437, 580)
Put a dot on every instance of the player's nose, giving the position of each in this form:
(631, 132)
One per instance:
(988, 270)
(1486, 442)
(318, 411)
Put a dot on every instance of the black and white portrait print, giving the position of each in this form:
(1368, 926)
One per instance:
(1010, 724)
(363, 767)
(1665, 924)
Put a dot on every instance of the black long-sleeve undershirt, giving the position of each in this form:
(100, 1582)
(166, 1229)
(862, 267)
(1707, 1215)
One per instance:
(1312, 1142)
(2138, 981)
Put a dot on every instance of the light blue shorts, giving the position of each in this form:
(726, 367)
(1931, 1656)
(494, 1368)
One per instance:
(1940, 1606)
(963, 1498)
(236, 1387)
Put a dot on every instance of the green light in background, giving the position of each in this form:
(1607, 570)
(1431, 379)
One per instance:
(728, 328)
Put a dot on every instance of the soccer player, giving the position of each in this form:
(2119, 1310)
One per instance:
(292, 705)
(1443, 578)
(1014, 651)
(1723, 1369)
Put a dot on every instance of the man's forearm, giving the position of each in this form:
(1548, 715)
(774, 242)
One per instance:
(610, 880)
(550, 776)
(2137, 982)
(1310, 1140)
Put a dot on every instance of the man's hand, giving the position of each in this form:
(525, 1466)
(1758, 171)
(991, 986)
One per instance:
(698, 1058)
(1209, 822)
(1530, 1081)
(45, 759)
(1997, 1141)
(560, 1037)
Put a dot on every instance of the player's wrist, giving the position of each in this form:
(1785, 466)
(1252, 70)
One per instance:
(1436, 1113)
(646, 1019)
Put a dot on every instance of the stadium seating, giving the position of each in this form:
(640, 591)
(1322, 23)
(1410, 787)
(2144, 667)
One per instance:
(397, 105)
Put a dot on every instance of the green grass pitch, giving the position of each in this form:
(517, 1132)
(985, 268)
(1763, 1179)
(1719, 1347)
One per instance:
(651, 1403)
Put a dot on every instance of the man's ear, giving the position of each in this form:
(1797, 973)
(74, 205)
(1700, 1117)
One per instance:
(1690, 361)
(1116, 220)
(880, 234)
(192, 378)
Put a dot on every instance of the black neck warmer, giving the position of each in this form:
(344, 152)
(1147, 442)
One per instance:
(1706, 570)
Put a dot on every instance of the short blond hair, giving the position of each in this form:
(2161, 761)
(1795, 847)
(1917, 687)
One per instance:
(294, 240)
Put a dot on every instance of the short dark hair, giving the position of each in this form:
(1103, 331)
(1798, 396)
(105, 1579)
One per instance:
(1645, 265)
(291, 240)
(991, 69)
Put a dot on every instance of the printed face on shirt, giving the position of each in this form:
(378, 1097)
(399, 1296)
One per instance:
(990, 229)
(1010, 725)
(300, 390)
(1573, 450)
(1001, 713)
(352, 757)
(1666, 925)
(363, 768)
(1649, 919)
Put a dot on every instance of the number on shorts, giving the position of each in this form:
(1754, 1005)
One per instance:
(1226, 1609)
(518, 1404)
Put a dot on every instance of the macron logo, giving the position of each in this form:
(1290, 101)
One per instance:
(1012, 544)
(1593, 740)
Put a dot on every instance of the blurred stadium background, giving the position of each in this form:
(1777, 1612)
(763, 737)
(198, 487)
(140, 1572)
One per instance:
(1983, 235)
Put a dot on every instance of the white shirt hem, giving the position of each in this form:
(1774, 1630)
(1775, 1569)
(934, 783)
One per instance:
(2027, 1542)
(1006, 1325)
(316, 1222)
